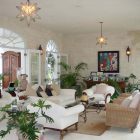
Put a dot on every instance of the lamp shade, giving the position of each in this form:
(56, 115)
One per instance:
(128, 51)
(84, 98)
(41, 50)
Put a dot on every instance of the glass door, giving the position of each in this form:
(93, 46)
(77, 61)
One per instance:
(34, 67)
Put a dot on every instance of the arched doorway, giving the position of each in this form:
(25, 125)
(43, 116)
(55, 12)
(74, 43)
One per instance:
(11, 54)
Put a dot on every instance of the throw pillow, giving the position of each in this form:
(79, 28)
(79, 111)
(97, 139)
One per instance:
(43, 94)
(38, 91)
(30, 91)
(54, 93)
(48, 90)
(55, 89)
(126, 102)
(135, 92)
(135, 101)
(101, 89)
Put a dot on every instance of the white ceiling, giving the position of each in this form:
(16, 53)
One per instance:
(82, 15)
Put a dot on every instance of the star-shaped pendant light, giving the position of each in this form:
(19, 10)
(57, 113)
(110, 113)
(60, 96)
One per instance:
(28, 11)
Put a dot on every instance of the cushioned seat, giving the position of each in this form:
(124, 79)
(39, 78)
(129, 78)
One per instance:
(101, 92)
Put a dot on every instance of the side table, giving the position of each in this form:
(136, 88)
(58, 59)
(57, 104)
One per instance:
(84, 113)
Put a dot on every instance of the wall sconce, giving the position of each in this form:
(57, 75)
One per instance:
(128, 52)
(40, 49)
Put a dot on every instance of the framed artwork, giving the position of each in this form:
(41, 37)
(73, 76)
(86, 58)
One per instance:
(108, 61)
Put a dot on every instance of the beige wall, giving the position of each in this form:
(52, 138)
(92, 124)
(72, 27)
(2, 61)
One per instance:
(82, 48)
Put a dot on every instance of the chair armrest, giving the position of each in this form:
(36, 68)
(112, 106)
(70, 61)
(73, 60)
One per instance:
(110, 90)
(118, 110)
(89, 92)
(107, 97)
(74, 110)
(125, 95)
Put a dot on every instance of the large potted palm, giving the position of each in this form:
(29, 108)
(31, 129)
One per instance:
(23, 121)
(72, 77)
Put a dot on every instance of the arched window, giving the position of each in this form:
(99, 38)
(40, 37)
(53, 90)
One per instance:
(51, 62)
(10, 39)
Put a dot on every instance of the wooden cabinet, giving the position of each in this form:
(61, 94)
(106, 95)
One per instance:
(11, 62)
(90, 83)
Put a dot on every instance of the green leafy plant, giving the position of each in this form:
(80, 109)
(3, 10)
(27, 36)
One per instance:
(24, 121)
(131, 84)
(72, 78)
(116, 86)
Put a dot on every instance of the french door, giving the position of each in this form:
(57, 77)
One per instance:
(33, 66)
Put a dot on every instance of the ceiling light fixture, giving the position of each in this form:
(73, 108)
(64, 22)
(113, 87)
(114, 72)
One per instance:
(101, 40)
(29, 11)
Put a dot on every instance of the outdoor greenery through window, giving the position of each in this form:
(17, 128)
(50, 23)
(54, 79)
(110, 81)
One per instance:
(51, 62)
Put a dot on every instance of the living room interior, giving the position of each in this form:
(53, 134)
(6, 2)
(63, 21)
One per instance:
(69, 30)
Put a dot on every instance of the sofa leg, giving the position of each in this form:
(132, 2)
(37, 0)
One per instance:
(132, 130)
(76, 126)
(61, 134)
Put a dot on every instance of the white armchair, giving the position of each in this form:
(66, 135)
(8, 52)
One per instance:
(102, 93)
(63, 117)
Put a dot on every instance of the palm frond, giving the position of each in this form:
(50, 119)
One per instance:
(80, 66)
(65, 66)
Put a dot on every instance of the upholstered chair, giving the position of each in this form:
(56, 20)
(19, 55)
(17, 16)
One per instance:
(124, 113)
(101, 93)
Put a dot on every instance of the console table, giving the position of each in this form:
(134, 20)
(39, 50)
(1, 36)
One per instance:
(90, 83)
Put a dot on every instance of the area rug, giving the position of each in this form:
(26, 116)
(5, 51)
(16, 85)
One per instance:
(95, 124)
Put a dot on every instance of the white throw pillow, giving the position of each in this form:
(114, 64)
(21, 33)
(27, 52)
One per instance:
(135, 101)
(55, 89)
(43, 94)
(30, 91)
(135, 92)
(101, 88)
(126, 102)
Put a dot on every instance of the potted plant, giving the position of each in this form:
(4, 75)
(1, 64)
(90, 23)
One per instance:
(23, 120)
(114, 84)
(72, 78)
(131, 83)
(1, 77)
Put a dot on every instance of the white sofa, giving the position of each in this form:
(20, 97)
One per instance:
(66, 96)
(102, 95)
(6, 98)
(63, 117)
